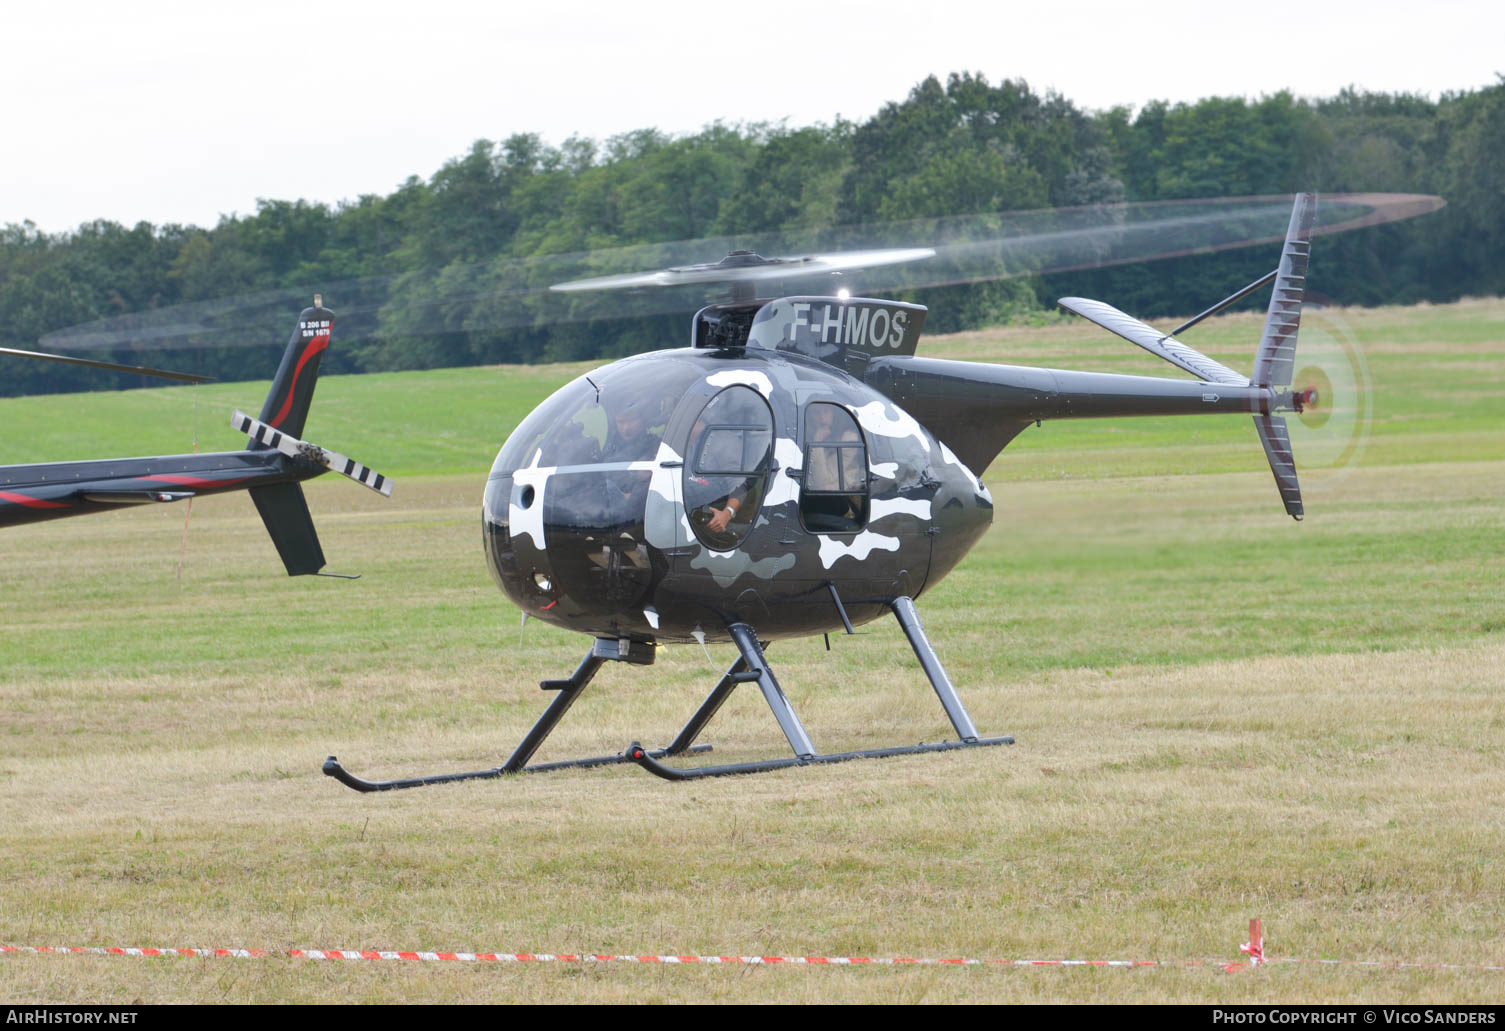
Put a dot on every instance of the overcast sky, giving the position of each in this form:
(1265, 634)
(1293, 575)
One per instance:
(184, 111)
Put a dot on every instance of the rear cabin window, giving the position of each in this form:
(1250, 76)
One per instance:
(834, 491)
(731, 451)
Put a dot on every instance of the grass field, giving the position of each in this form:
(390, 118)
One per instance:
(1220, 714)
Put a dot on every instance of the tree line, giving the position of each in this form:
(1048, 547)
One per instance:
(426, 266)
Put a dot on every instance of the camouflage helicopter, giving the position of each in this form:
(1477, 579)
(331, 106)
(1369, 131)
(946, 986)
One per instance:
(799, 470)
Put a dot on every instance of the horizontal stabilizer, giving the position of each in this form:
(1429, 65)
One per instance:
(295, 448)
(1162, 345)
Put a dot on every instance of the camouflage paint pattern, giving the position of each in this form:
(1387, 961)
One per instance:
(630, 564)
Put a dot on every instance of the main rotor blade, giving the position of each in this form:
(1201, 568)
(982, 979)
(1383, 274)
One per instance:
(185, 377)
(761, 269)
(674, 277)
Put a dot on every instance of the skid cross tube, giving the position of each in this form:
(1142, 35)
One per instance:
(569, 690)
(773, 694)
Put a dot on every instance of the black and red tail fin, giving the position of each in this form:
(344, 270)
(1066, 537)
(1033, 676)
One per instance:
(292, 391)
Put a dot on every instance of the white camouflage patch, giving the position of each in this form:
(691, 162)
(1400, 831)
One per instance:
(859, 547)
(665, 506)
(726, 566)
(977, 484)
(782, 489)
(528, 522)
(883, 508)
(875, 418)
(743, 377)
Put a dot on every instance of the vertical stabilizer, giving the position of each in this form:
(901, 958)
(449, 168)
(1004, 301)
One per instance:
(285, 514)
(1274, 363)
(292, 391)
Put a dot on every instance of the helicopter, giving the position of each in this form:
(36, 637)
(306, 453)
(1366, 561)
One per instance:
(272, 469)
(800, 470)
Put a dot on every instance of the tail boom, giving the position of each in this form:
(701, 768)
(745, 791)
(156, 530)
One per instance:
(977, 409)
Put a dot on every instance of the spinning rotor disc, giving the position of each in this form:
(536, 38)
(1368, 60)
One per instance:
(1329, 434)
(552, 290)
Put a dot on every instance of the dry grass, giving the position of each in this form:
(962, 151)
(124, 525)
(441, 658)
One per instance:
(1220, 715)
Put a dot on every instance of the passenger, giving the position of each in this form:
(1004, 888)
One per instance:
(828, 511)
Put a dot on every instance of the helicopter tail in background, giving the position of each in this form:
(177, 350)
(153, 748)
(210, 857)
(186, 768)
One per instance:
(282, 506)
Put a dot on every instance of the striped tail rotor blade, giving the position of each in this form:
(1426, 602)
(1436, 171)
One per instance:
(261, 433)
(274, 438)
(362, 474)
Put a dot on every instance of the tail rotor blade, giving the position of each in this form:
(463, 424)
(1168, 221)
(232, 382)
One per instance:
(295, 448)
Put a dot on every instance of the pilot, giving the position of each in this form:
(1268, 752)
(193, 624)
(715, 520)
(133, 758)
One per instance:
(570, 445)
(629, 441)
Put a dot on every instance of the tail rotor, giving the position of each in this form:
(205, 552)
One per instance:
(1332, 398)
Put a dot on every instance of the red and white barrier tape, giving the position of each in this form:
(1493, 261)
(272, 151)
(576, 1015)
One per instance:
(1254, 948)
(564, 957)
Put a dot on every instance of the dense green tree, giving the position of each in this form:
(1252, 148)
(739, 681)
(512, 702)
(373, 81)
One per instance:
(792, 181)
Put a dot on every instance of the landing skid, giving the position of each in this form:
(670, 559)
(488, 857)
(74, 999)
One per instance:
(751, 667)
(649, 760)
(333, 769)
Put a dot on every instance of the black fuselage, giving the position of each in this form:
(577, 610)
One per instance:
(585, 532)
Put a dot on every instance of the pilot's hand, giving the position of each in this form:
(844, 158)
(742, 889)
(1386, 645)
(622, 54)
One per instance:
(720, 519)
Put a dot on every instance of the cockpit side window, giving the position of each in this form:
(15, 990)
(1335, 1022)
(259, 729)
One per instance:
(834, 490)
(731, 453)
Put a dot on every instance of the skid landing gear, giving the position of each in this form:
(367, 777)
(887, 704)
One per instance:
(751, 667)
